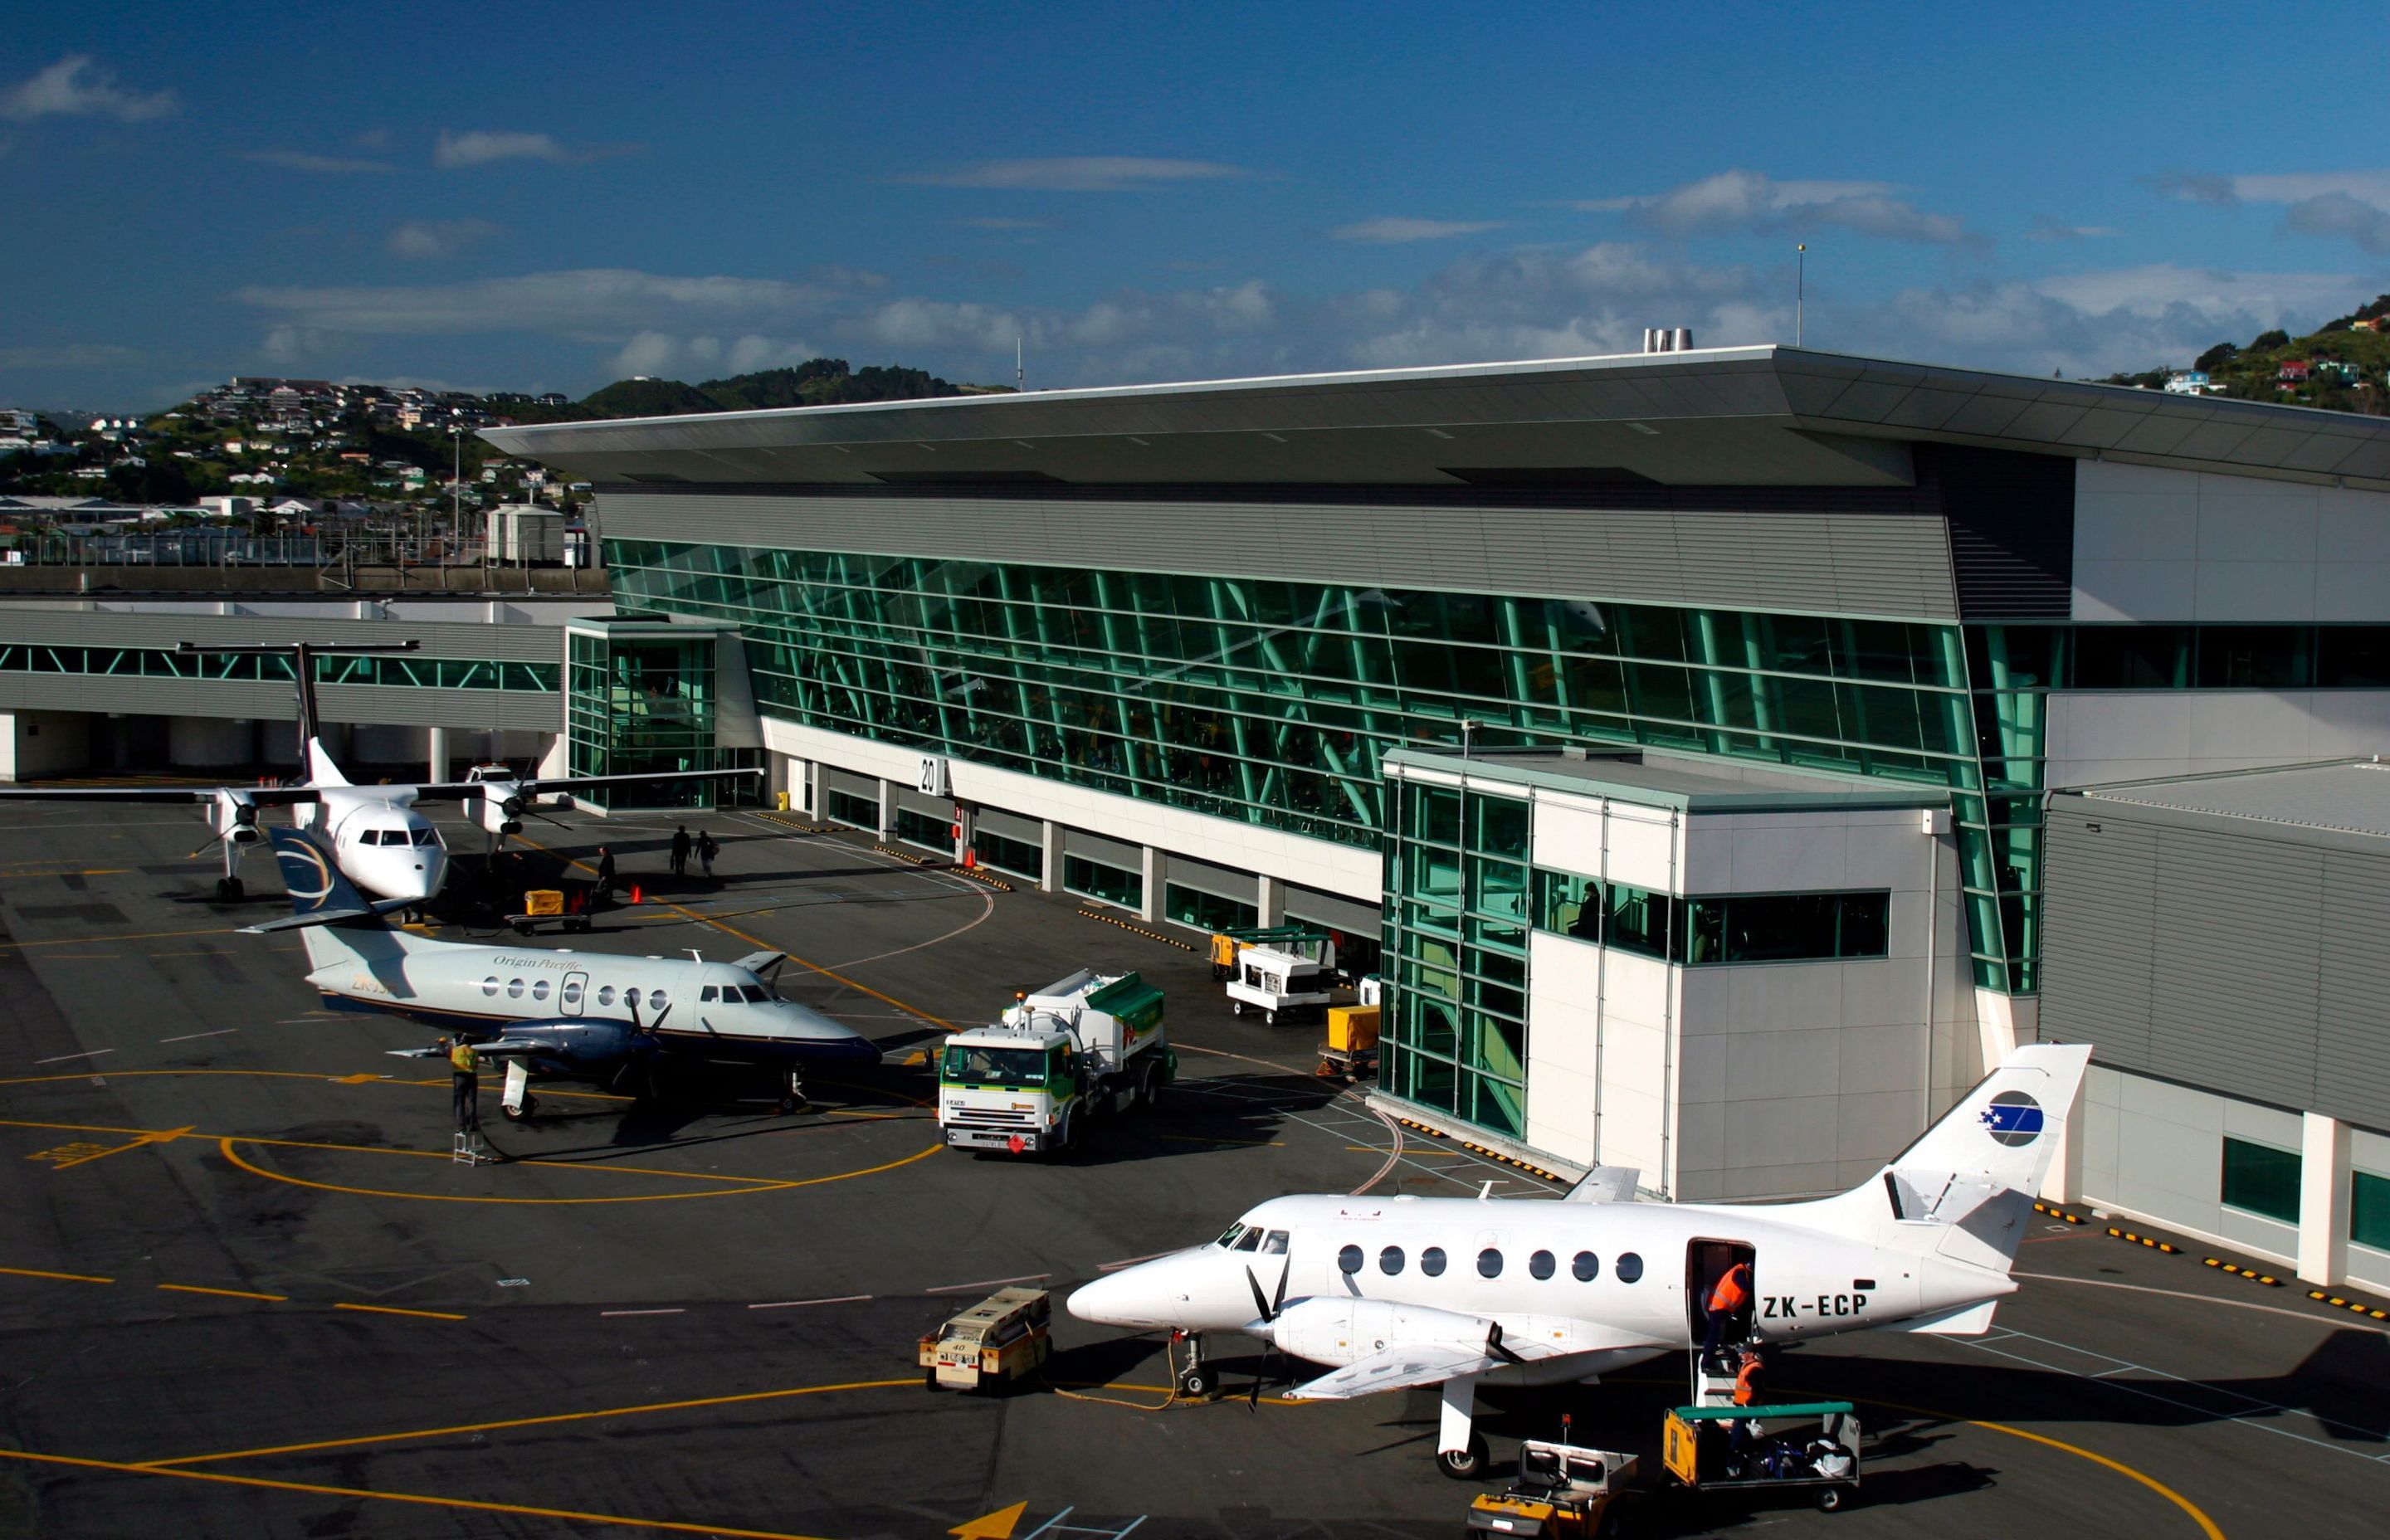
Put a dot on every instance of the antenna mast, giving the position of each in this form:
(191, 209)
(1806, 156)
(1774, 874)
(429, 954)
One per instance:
(1020, 375)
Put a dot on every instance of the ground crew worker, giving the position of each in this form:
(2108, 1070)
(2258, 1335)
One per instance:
(1727, 1298)
(1741, 1432)
(464, 1085)
(707, 850)
(605, 873)
(680, 851)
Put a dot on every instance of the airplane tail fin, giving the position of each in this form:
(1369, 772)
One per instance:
(320, 769)
(1963, 1189)
(339, 924)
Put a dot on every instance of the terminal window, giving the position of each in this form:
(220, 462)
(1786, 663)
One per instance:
(2261, 1179)
(1112, 884)
(1018, 858)
(2368, 1209)
(845, 807)
(1205, 911)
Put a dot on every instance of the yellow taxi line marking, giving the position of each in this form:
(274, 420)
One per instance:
(394, 1310)
(227, 1293)
(163, 1136)
(549, 1419)
(938, 1022)
(130, 935)
(63, 1278)
(421, 1500)
(224, 1147)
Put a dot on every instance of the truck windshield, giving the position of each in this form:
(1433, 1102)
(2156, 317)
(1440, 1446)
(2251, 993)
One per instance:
(1002, 1066)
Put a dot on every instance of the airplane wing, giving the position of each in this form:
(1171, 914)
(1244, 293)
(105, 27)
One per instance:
(1397, 1367)
(758, 962)
(457, 791)
(258, 796)
(1605, 1185)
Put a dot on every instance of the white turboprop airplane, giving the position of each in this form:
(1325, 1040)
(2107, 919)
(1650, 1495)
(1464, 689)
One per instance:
(381, 842)
(1460, 1292)
(559, 1015)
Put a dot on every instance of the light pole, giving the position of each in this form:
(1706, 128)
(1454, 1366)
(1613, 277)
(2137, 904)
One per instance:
(1800, 286)
(456, 481)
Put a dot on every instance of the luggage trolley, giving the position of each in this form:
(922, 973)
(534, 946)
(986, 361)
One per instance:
(1803, 1444)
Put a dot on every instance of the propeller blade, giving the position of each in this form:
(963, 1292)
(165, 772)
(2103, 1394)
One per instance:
(1277, 1301)
(1261, 1301)
(1493, 1344)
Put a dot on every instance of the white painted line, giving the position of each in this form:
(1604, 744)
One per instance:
(675, 1311)
(190, 1035)
(61, 1059)
(791, 1304)
(1130, 1261)
(986, 1283)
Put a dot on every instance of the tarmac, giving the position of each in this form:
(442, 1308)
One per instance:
(245, 1291)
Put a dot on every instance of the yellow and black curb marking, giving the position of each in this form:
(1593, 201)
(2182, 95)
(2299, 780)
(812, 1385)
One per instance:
(1137, 930)
(800, 824)
(999, 884)
(907, 855)
(2355, 1307)
(1482, 1153)
(2168, 1247)
(2061, 1213)
(2269, 1279)
(1420, 1127)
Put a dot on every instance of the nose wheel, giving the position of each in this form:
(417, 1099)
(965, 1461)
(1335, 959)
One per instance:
(793, 1098)
(228, 889)
(1192, 1376)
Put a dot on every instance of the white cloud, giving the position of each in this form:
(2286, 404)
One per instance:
(656, 352)
(1396, 230)
(2351, 204)
(2368, 224)
(331, 165)
(430, 240)
(2159, 288)
(607, 303)
(288, 344)
(2046, 228)
(1745, 201)
(74, 87)
(480, 148)
(1074, 174)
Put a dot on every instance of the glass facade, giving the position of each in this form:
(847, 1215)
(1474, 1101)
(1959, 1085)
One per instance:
(640, 700)
(2368, 1209)
(1016, 857)
(1099, 880)
(2261, 1179)
(1192, 906)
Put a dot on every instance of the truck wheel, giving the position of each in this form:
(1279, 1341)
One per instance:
(1831, 1499)
(1236, 1007)
(1149, 1087)
(1463, 1464)
(1269, 1019)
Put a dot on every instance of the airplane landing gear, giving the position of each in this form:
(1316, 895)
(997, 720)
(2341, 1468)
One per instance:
(228, 889)
(793, 1098)
(517, 1102)
(522, 1112)
(1194, 1380)
(1460, 1452)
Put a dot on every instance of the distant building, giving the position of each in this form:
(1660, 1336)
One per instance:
(2295, 371)
(2189, 383)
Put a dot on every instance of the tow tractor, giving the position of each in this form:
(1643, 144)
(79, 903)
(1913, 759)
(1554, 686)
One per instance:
(1563, 1490)
(1087, 1045)
(1288, 978)
(991, 1346)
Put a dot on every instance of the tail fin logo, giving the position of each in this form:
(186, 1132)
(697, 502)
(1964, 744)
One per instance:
(299, 861)
(2012, 1118)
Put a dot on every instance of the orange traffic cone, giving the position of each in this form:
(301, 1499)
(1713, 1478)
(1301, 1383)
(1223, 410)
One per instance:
(634, 893)
(970, 859)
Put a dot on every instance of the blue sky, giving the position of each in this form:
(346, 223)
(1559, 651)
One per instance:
(549, 196)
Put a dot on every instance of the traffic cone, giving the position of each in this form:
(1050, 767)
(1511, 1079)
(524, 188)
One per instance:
(634, 893)
(970, 859)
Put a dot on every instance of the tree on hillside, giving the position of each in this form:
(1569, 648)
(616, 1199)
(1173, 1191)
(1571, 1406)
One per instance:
(2265, 339)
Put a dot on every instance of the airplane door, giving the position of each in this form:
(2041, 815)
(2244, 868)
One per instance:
(1706, 1261)
(568, 998)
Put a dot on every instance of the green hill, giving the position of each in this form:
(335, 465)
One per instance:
(644, 398)
(2345, 367)
(817, 382)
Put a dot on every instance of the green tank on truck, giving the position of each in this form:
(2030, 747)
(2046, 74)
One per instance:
(1083, 1046)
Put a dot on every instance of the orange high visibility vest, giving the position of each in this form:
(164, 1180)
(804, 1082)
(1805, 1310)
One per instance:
(1746, 1383)
(1731, 1294)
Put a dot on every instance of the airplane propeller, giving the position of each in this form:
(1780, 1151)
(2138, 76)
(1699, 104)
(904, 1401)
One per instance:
(1493, 1344)
(1270, 1307)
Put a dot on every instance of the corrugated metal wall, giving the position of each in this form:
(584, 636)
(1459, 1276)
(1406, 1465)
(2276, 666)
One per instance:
(387, 705)
(525, 644)
(1808, 560)
(2244, 959)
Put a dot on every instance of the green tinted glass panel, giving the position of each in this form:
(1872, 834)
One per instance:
(1206, 911)
(1016, 856)
(1109, 884)
(2261, 1179)
(2368, 1209)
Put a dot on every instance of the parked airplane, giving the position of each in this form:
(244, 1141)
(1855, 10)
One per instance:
(581, 1016)
(381, 842)
(1460, 1292)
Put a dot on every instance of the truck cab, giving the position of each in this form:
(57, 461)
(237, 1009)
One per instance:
(1084, 1046)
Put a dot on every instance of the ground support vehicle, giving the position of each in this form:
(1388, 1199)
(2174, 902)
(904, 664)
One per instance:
(1563, 1491)
(1351, 1046)
(993, 1345)
(1289, 979)
(569, 904)
(1808, 1443)
(1226, 945)
(1082, 1046)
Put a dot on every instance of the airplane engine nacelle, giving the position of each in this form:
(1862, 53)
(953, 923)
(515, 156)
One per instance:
(1346, 1332)
(232, 816)
(500, 808)
(570, 1045)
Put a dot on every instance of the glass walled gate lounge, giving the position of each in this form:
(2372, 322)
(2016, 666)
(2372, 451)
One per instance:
(1270, 702)
(639, 696)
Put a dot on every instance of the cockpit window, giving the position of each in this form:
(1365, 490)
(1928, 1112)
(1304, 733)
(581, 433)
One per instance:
(707, 995)
(1228, 1235)
(1249, 1241)
(755, 994)
(427, 835)
(1274, 1244)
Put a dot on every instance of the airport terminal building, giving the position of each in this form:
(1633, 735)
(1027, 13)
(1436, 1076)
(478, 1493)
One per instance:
(1674, 732)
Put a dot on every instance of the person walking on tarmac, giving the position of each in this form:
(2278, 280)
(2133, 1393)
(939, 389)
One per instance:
(1728, 1298)
(680, 851)
(464, 1085)
(605, 873)
(707, 850)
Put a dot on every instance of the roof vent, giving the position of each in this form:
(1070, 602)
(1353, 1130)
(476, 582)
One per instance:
(1668, 339)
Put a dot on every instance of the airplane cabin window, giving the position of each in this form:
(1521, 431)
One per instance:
(1390, 1261)
(1628, 1267)
(1540, 1266)
(490, 984)
(1228, 1235)
(631, 997)
(1349, 1259)
(657, 999)
(605, 994)
(1274, 1244)
(1489, 1262)
(571, 993)
(514, 989)
(1432, 1261)
(709, 996)
(539, 989)
(1586, 1266)
(1250, 1240)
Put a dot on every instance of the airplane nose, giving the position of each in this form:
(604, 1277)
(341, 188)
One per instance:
(1123, 1299)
